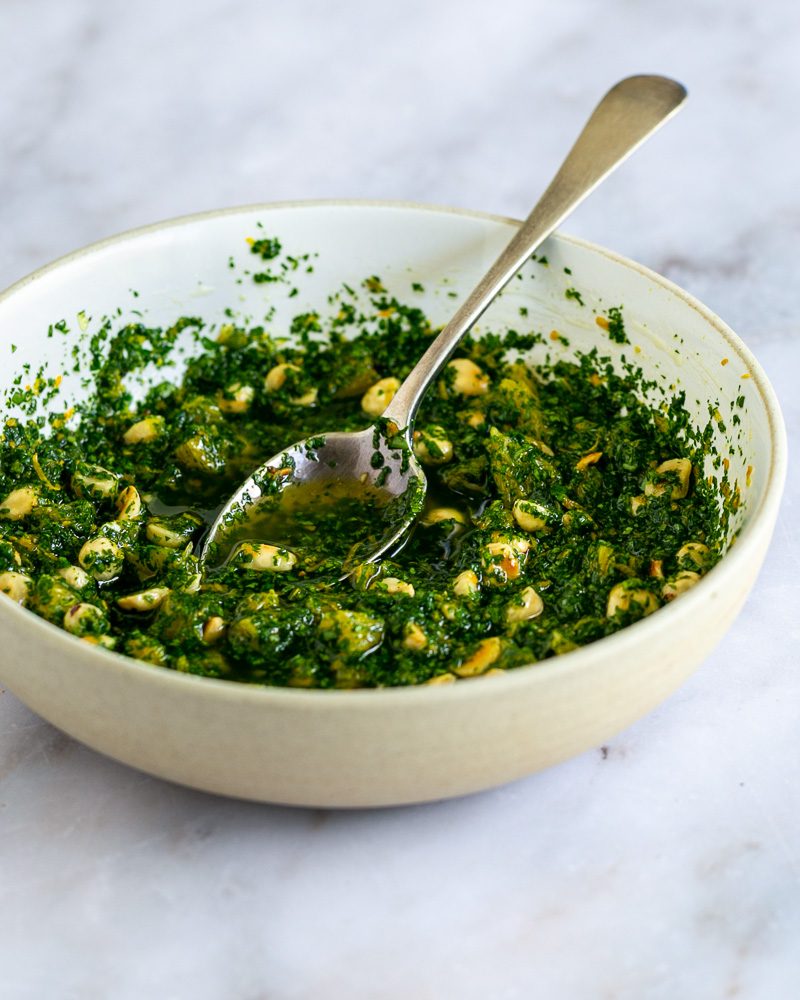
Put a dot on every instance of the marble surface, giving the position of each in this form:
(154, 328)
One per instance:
(663, 865)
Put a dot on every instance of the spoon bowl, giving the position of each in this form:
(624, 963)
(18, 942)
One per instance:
(374, 467)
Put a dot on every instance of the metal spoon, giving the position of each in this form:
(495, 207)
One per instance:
(379, 460)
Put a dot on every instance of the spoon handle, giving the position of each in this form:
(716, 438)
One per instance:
(628, 114)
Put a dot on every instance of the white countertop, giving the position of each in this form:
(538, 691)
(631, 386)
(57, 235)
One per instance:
(664, 865)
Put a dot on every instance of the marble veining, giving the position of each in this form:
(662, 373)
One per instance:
(665, 864)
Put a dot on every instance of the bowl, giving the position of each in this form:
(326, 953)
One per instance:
(389, 746)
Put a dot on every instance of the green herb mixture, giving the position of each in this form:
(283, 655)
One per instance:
(561, 508)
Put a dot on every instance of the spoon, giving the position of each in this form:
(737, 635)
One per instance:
(378, 464)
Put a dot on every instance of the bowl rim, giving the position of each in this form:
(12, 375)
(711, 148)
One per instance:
(361, 699)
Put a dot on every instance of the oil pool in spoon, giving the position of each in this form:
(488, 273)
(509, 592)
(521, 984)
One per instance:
(309, 527)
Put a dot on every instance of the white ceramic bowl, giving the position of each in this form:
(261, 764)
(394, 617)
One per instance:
(381, 747)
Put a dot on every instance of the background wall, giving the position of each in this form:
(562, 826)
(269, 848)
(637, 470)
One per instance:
(665, 865)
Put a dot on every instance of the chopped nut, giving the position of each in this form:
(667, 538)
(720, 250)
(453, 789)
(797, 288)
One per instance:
(414, 637)
(106, 641)
(276, 377)
(526, 605)
(19, 503)
(15, 585)
(129, 504)
(172, 532)
(623, 597)
(694, 554)
(533, 516)
(378, 396)
(94, 481)
(467, 378)
(485, 654)
(396, 587)
(161, 534)
(679, 469)
(441, 679)
(679, 584)
(438, 514)
(237, 398)
(466, 584)
(144, 431)
(307, 399)
(432, 447)
(213, 629)
(76, 577)
(144, 600)
(502, 561)
(84, 619)
(264, 558)
(102, 558)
